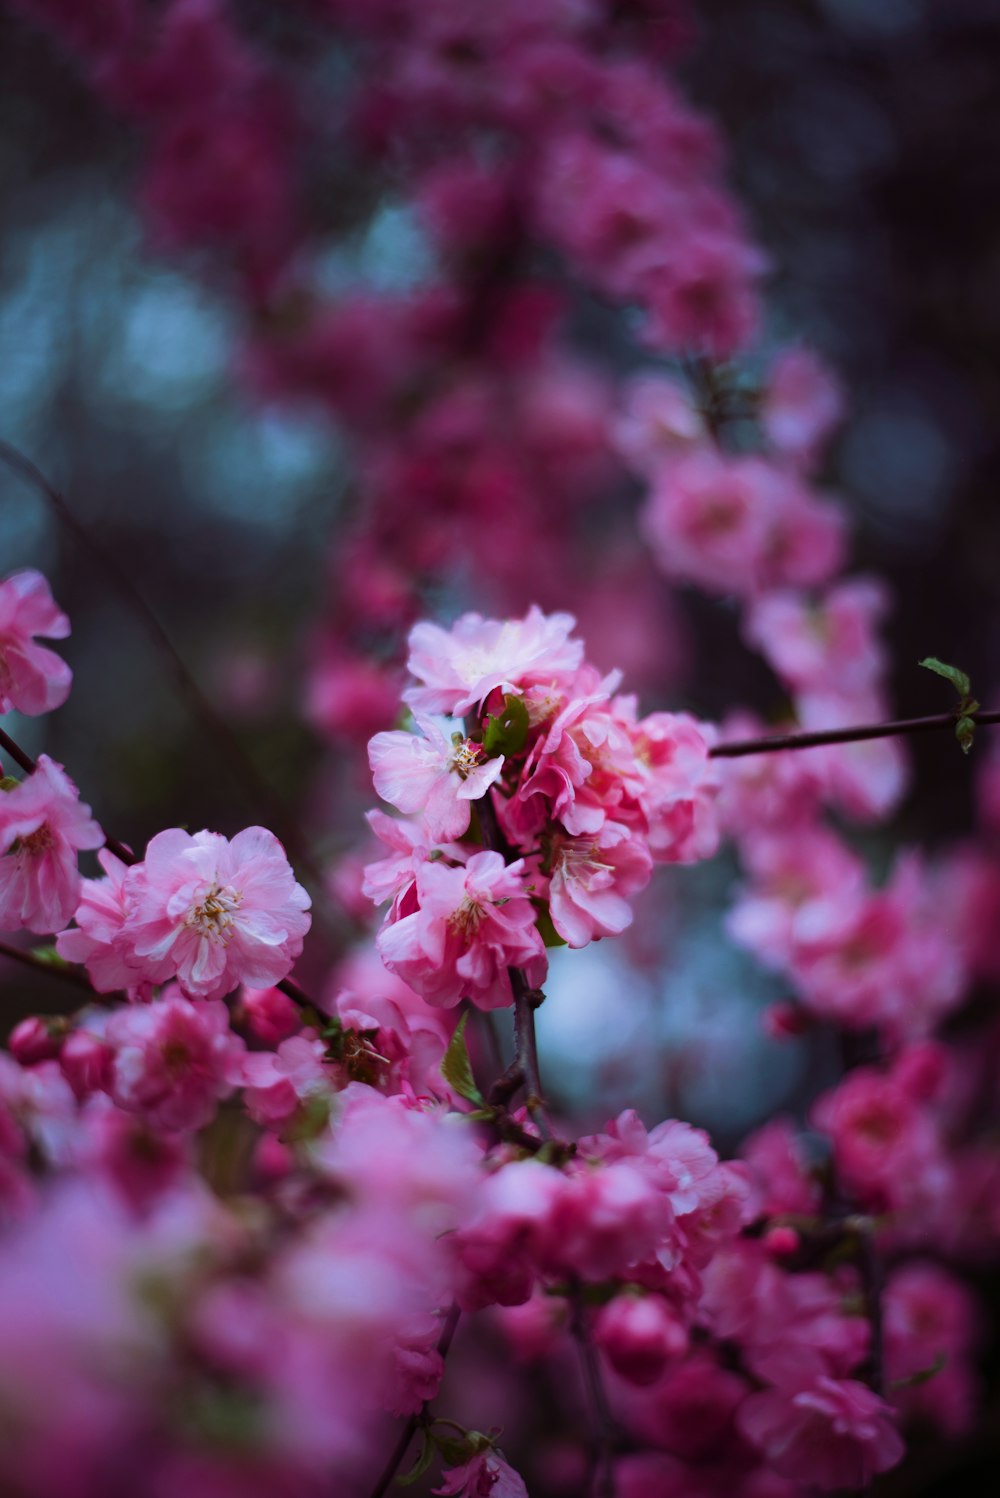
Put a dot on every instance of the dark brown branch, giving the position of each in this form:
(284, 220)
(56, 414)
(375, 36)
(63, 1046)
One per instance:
(414, 1423)
(523, 1070)
(51, 969)
(768, 743)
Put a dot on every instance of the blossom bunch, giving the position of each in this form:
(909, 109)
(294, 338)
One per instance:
(574, 796)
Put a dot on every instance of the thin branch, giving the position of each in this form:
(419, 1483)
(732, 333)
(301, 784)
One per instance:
(768, 743)
(524, 1069)
(603, 1429)
(231, 751)
(414, 1423)
(51, 969)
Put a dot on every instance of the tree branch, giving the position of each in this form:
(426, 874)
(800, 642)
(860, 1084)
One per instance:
(768, 743)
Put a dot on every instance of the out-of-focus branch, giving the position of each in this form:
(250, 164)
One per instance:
(260, 795)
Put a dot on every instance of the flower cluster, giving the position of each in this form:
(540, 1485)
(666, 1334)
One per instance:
(573, 793)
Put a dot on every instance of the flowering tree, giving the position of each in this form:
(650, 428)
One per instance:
(247, 1213)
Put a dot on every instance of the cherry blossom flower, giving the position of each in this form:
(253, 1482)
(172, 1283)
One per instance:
(33, 679)
(592, 880)
(833, 1434)
(97, 939)
(173, 1060)
(43, 824)
(485, 1475)
(469, 926)
(432, 776)
(802, 405)
(215, 913)
(460, 667)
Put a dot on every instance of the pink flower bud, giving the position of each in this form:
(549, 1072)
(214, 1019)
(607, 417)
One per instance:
(785, 1021)
(86, 1063)
(271, 1015)
(782, 1242)
(37, 1038)
(639, 1335)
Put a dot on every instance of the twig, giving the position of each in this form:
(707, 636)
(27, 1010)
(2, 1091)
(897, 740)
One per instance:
(768, 743)
(412, 1425)
(52, 969)
(602, 1420)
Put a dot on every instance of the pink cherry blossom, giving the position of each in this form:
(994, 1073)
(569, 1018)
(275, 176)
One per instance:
(33, 679)
(679, 785)
(275, 1083)
(740, 525)
(470, 925)
(485, 1475)
(828, 646)
(802, 406)
(833, 1434)
(215, 913)
(173, 1060)
(43, 824)
(432, 776)
(592, 881)
(659, 423)
(460, 667)
(97, 939)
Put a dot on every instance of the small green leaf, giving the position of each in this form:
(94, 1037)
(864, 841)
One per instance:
(456, 1067)
(508, 731)
(8, 783)
(922, 1376)
(422, 1462)
(50, 957)
(958, 679)
(546, 930)
(965, 732)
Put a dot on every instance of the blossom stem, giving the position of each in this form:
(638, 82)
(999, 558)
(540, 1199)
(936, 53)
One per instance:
(414, 1423)
(768, 743)
(524, 1069)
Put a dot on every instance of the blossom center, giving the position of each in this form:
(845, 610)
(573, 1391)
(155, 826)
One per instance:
(37, 841)
(466, 757)
(465, 921)
(214, 917)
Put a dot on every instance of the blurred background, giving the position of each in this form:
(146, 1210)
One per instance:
(864, 140)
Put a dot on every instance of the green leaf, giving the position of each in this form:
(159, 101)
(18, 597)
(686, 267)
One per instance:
(965, 732)
(508, 731)
(422, 1462)
(456, 1068)
(546, 930)
(922, 1376)
(8, 783)
(50, 956)
(958, 679)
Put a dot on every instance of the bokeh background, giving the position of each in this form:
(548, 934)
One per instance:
(864, 140)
